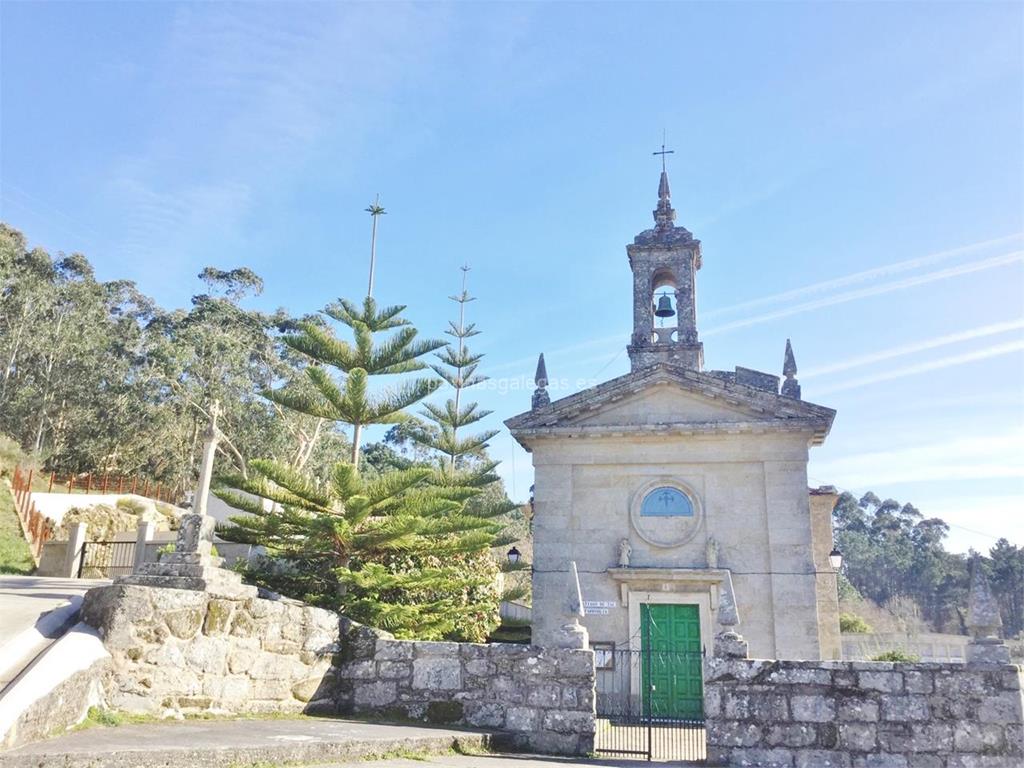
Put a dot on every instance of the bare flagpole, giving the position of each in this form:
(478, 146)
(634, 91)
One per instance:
(375, 209)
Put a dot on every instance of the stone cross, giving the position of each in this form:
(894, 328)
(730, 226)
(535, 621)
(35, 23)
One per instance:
(192, 564)
(211, 437)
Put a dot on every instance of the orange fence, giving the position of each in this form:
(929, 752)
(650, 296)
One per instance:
(91, 482)
(38, 528)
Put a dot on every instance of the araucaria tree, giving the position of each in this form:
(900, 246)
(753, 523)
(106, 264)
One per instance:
(458, 366)
(462, 458)
(341, 545)
(401, 551)
(350, 401)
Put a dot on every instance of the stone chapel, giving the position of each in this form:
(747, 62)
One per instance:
(681, 494)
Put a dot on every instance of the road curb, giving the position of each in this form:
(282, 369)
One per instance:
(22, 649)
(314, 750)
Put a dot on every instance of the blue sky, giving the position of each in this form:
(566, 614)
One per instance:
(853, 170)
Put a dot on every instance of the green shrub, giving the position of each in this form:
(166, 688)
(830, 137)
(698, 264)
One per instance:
(167, 549)
(131, 506)
(170, 515)
(103, 521)
(897, 654)
(851, 622)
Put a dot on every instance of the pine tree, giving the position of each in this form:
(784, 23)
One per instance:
(463, 460)
(398, 549)
(350, 402)
(387, 552)
(457, 367)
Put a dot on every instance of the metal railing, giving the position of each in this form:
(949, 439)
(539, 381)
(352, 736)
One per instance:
(104, 482)
(38, 528)
(106, 559)
(650, 705)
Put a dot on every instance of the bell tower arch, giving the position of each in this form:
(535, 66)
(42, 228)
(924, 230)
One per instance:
(664, 261)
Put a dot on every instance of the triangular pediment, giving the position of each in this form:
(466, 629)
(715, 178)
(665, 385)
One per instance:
(666, 397)
(664, 403)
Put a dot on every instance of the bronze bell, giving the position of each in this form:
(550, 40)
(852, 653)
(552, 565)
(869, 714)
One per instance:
(664, 307)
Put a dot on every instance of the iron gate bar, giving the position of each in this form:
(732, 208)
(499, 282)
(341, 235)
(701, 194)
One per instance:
(107, 558)
(631, 723)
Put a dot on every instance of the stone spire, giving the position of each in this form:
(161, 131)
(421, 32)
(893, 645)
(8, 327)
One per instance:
(572, 634)
(790, 387)
(664, 214)
(984, 622)
(540, 380)
(983, 617)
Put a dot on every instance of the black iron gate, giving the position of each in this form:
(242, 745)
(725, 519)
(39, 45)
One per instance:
(649, 706)
(106, 559)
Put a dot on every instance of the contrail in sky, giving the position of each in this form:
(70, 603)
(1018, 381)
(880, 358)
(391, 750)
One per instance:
(918, 346)
(931, 365)
(860, 277)
(873, 290)
(825, 301)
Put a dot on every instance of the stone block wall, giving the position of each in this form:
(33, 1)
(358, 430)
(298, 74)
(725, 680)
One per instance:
(541, 699)
(832, 714)
(177, 650)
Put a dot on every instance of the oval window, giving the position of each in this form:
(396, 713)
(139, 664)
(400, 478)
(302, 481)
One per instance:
(666, 502)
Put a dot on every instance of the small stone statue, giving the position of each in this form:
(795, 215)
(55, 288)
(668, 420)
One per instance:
(711, 552)
(625, 551)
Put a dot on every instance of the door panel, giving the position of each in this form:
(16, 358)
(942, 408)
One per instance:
(671, 663)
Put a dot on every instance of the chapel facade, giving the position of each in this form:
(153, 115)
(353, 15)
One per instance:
(681, 494)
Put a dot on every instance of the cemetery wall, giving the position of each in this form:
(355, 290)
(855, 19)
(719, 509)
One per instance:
(181, 651)
(791, 714)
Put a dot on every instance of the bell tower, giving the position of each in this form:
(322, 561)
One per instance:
(665, 261)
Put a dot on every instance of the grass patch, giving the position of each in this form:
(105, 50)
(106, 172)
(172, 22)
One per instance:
(372, 757)
(109, 718)
(15, 556)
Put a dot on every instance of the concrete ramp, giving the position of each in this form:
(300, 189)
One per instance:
(34, 613)
(56, 690)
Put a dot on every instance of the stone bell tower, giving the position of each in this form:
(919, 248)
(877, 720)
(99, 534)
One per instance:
(665, 261)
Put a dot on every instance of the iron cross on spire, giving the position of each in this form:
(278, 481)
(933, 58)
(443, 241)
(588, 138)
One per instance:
(664, 152)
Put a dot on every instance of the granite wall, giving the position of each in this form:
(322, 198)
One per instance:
(832, 714)
(181, 651)
(542, 699)
(177, 650)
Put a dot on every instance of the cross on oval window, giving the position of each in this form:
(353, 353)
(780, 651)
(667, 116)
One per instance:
(666, 502)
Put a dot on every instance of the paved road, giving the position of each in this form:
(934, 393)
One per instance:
(497, 761)
(24, 598)
(276, 742)
(23, 602)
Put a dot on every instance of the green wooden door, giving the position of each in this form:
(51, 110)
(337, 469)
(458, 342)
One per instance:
(671, 661)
